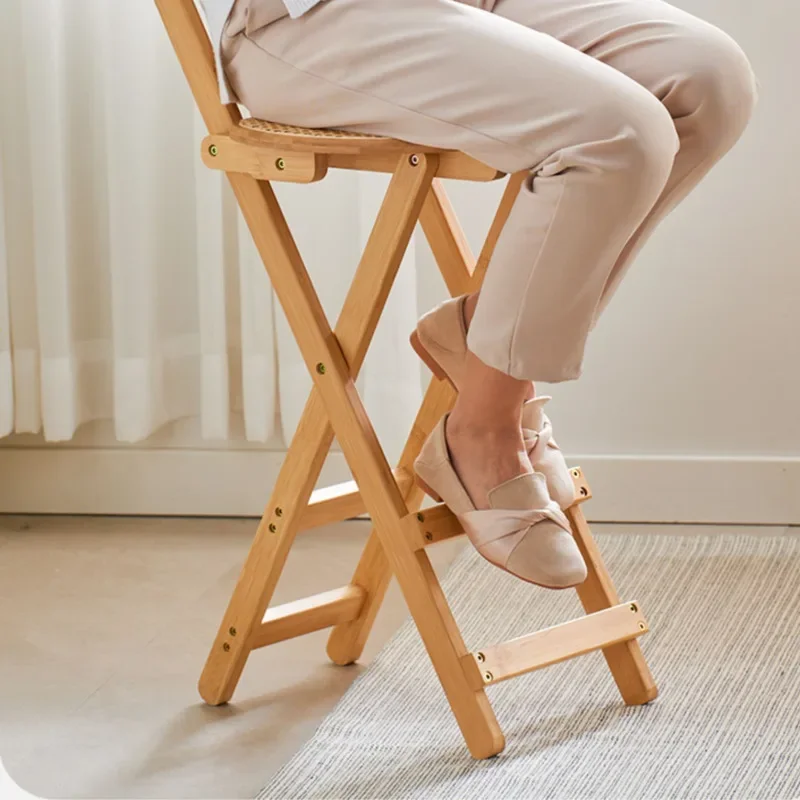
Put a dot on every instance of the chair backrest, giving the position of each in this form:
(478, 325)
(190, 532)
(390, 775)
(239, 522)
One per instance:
(193, 48)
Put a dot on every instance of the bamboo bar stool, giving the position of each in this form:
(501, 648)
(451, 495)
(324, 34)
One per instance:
(253, 153)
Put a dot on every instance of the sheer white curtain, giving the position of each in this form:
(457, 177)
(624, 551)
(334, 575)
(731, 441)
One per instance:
(129, 286)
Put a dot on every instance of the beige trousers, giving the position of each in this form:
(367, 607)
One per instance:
(617, 108)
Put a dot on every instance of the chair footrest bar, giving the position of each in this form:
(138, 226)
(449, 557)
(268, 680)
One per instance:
(309, 614)
(342, 501)
(593, 632)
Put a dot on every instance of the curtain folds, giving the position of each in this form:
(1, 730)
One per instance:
(129, 286)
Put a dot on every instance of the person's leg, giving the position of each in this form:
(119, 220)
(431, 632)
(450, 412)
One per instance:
(598, 146)
(483, 430)
(698, 72)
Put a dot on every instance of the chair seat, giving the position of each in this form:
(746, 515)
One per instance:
(320, 140)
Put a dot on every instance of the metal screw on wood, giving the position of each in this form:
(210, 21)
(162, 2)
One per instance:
(487, 676)
(212, 150)
(576, 473)
(414, 160)
(232, 631)
(481, 657)
(226, 647)
(584, 491)
(280, 164)
(429, 536)
(641, 626)
(278, 512)
(272, 527)
(421, 517)
(321, 368)
(633, 607)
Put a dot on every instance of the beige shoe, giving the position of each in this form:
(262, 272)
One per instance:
(544, 453)
(523, 531)
(440, 340)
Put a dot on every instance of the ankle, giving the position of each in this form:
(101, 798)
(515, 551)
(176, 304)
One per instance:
(482, 428)
(484, 457)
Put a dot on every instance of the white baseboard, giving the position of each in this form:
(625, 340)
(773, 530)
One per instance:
(748, 490)
(745, 490)
(176, 482)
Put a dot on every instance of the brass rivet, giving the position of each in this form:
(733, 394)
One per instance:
(278, 512)
(226, 647)
(421, 517)
(232, 631)
(212, 150)
(633, 607)
(481, 657)
(487, 676)
(272, 527)
(429, 536)
(414, 160)
(321, 368)
(642, 626)
(280, 164)
(584, 491)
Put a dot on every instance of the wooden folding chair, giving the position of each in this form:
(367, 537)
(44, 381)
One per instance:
(253, 153)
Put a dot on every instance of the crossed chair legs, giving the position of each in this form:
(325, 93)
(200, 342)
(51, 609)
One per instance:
(396, 545)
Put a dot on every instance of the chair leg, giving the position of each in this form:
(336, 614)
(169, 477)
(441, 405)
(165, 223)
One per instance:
(373, 574)
(625, 660)
(332, 369)
(447, 240)
(395, 528)
(268, 554)
(457, 266)
(346, 642)
(359, 317)
(456, 263)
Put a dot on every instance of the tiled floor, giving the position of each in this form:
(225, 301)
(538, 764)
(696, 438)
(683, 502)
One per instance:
(105, 626)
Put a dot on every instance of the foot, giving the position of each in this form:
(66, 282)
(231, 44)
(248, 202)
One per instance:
(483, 457)
(440, 340)
(545, 454)
(521, 529)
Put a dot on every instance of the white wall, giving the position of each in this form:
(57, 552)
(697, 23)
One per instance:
(688, 408)
(699, 354)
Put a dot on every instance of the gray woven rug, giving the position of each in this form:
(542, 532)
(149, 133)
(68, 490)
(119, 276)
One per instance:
(724, 647)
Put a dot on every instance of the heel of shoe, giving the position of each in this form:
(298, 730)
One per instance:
(427, 489)
(427, 358)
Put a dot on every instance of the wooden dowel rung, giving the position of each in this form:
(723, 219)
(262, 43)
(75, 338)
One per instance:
(342, 501)
(596, 631)
(309, 614)
(436, 524)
